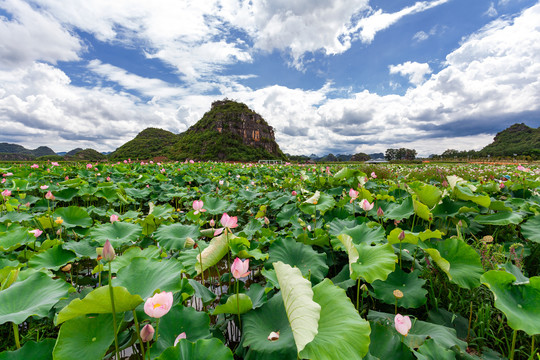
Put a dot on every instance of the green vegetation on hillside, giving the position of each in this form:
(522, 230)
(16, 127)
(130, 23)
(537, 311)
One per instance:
(149, 143)
(518, 139)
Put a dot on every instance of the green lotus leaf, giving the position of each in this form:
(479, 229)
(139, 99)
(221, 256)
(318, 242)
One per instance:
(15, 217)
(529, 229)
(73, 216)
(139, 194)
(464, 192)
(309, 261)
(337, 225)
(520, 302)
(430, 350)
(109, 194)
(216, 206)
(53, 258)
(202, 292)
(324, 203)
(411, 238)
(31, 350)
(280, 201)
(257, 326)
(216, 250)
(99, 302)
(84, 338)
(151, 252)
(14, 238)
(459, 261)
(118, 233)
(386, 343)
(365, 234)
(427, 194)
(257, 295)
(205, 349)
(500, 218)
(342, 333)
(287, 212)
(447, 208)
(235, 304)
(162, 212)
(66, 195)
(414, 295)
(251, 228)
(303, 313)
(35, 295)
(173, 237)
(374, 262)
(144, 276)
(421, 210)
(401, 211)
(181, 319)
(81, 248)
(189, 258)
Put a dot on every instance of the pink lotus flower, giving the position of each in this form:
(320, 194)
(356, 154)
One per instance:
(229, 222)
(147, 333)
(501, 186)
(6, 193)
(49, 195)
(220, 182)
(373, 175)
(179, 337)
(108, 178)
(108, 251)
(36, 232)
(353, 194)
(212, 223)
(159, 304)
(44, 187)
(366, 205)
(114, 218)
(198, 206)
(293, 193)
(34, 166)
(88, 166)
(54, 163)
(402, 324)
(240, 268)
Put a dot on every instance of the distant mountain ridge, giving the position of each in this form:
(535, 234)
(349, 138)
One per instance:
(518, 139)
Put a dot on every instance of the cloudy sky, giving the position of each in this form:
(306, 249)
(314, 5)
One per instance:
(341, 76)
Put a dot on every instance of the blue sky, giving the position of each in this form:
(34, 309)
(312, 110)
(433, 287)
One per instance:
(340, 76)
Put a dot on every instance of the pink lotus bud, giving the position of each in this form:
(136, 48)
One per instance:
(108, 251)
(380, 212)
(373, 175)
(198, 206)
(6, 193)
(401, 235)
(266, 220)
(402, 324)
(353, 194)
(240, 268)
(113, 218)
(179, 337)
(293, 193)
(147, 333)
(49, 195)
(212, 223)
(366, 205)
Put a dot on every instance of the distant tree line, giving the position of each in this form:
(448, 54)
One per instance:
(400, 154)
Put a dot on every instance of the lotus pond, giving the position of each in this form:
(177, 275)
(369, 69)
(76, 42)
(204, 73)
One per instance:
(244, 261)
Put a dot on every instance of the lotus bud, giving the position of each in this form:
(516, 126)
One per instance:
(108, 251)
(49, 196)
(189, 242)
(147, 333)
(212, 223)
(401, 235)
(380, 212)
(266, 221)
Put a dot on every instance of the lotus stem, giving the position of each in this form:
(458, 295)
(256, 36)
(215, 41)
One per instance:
(357, 294)
(512, 349)
(470, 320)
(157, 332)
(115, 326)
(400, 255)
(238, 304)
(16, 335)
(137, 328)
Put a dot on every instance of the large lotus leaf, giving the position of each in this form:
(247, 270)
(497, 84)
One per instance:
(84, 338)
(251, 228)
(82, 248)
(99, 302)
(215, 206)
(500, 218)
(337, 225)
(421, 330)
(342, 333)
(459, 261)
(189, 258)
(323, 204)
(347, 242)
(181, 319)
(280, 201)
(108, 194)
(236, 304)
(411, 238)
(447, 208)
(529, 229)
(374, 262)
(144, 276)
(284, 216)
(118, 233)
(163, 211)
(421, 210)
(427, 194)
(216, 250)
(300, 255)
(519, 302)
(14, 238)
(414, 295)
(386, 343)
(303, 313)
(35, 295)
(173, 237)
(205, 349)
(73, 216)
(257, 295)
(431, 351)
(464, 192)
(257, 326)
(53, 258)
(16, 217)
(31, 350)
(66, 194)
(401, 211)
(151, 252)
(365, 234)
(140, 194)
(202, 292)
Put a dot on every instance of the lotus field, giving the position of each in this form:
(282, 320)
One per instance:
(246, 261)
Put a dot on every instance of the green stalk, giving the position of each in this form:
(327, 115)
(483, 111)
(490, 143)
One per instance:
(111, 292)
(238, 304)
(16, 335)
(512, 350)
(357, 293)
(138, 329)
(157, 330)
(400, 255)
